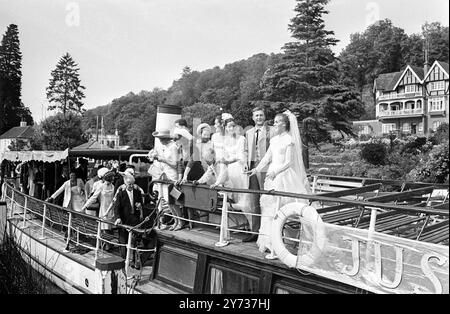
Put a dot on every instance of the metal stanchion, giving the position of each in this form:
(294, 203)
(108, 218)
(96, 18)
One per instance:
(223, 223)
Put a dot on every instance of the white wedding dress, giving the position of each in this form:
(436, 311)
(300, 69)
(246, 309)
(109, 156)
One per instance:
(284, 158)
(234, 149)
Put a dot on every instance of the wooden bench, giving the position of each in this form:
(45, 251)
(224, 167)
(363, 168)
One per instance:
(435, 233)
(324, 184)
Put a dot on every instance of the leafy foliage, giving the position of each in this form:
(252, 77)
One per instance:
(434, 167)
(60, 132)
(12, 110)
(374, 153)
(441, 134)
(18, 145)
(133, 115)
(65, 91)
(204, 112)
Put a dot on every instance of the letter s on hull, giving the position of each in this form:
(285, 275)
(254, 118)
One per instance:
(429, 273)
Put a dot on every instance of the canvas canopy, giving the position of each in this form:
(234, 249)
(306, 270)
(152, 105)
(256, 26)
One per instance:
(36, 155)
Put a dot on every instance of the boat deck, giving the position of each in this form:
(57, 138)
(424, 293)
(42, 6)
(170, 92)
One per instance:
(208, 237)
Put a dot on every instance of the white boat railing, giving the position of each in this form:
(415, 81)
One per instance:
(28, 215)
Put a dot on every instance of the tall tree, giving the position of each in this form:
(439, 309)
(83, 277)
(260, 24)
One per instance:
(65, 91)
(12, 109)
(307, 80)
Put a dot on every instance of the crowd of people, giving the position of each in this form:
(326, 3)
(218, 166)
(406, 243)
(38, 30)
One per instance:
(261, 157)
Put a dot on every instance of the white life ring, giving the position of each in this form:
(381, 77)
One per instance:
(310, 214)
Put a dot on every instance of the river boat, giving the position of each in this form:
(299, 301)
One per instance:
(374, 236)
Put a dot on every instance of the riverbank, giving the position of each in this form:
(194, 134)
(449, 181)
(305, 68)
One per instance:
(18, 277)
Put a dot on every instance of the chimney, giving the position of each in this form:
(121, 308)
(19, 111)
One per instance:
(23, 123)
(426, 65)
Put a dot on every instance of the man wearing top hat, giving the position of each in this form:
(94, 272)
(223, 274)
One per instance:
(167, 165)
(165, 157)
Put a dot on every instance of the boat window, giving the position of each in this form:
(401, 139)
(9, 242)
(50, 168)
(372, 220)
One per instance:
(223, 280)
(177, 266)
(285, 289)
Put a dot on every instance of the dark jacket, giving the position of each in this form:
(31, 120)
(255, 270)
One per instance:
(122, 206)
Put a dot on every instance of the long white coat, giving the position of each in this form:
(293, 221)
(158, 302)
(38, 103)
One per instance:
(66, 188)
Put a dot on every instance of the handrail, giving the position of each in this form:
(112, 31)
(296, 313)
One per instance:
(412, 209)
(386, 182)
(70, 211)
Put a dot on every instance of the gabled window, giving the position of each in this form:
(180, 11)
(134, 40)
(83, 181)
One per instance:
(410, 89)
(438, 85)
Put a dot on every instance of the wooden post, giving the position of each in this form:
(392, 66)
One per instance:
(223, 223)
(25, 212)
(110, 276)
(43, 222)
(98, 239)
(69, 225)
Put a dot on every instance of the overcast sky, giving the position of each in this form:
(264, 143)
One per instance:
(133, 45)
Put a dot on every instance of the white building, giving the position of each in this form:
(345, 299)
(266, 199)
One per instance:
(22, 132)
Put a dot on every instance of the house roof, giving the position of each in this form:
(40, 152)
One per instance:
(444, 66)
(419, 71)
(387, 81)
(91, 145)
(26, 132)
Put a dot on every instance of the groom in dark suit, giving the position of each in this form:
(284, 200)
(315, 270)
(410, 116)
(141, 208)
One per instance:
(258, 140)
(127, 208)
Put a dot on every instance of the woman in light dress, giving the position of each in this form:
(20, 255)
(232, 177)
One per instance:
(235, 158)
(286, 173)
(104, 193)
(73, 193)
(218, 136)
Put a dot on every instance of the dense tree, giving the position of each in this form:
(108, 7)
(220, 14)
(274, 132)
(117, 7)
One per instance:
(379, 49)
(133, 115)
(205, 113)
(65, 91)
(12, 110)
(307, 80)
(438, 41)
(60, 132)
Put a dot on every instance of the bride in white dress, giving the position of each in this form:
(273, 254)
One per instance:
(286, 173)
